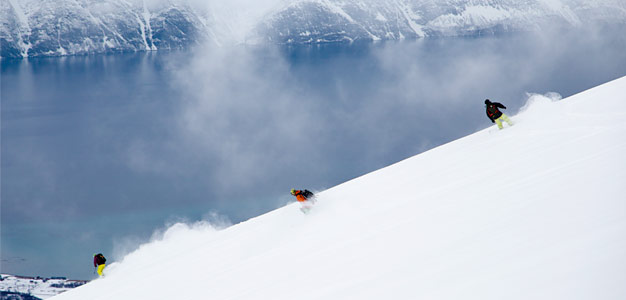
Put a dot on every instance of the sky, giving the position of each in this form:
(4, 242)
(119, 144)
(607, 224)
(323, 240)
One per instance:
(527, 212)
(101, 153)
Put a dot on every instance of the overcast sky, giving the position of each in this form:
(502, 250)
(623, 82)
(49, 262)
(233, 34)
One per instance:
(100, 152)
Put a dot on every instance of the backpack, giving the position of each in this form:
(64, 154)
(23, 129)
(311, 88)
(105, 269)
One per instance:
(307, 194)
(492, 111)
(101, 258)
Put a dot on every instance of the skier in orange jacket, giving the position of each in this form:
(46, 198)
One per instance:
(306, 198)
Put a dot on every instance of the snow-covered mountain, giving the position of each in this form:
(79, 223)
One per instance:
(19, 287)
(314, 21)
(534, 211)
(60, 27)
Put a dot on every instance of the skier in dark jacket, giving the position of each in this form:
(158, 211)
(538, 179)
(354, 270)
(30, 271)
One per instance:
(99, 262)
(495, 115)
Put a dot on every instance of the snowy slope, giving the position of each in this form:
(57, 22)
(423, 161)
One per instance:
(62, 27)
(535, 211)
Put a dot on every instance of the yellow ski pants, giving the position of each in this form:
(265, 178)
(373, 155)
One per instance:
(504, 118)
(100, 268)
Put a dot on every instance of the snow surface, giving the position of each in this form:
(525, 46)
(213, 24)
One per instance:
(534, 211)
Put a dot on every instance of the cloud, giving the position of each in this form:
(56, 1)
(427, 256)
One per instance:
(244, 116)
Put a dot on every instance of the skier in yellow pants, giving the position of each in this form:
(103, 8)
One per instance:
(495, 115)
(99, 262)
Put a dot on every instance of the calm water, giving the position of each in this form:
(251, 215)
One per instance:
(99, 151)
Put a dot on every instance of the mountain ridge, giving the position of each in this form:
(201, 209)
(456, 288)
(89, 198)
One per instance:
(52, 28)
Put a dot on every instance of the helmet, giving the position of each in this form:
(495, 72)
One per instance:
(487, 101)
(293, 191)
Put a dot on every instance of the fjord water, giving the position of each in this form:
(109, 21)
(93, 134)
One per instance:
(99, 151)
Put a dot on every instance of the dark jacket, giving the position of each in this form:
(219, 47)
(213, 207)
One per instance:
(99, 260)
(492, 110)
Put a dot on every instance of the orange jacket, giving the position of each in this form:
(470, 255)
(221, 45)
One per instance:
(299, 196)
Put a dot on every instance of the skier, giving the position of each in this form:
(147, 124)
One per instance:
(495, 115)
(99, 262)
(306, 198)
